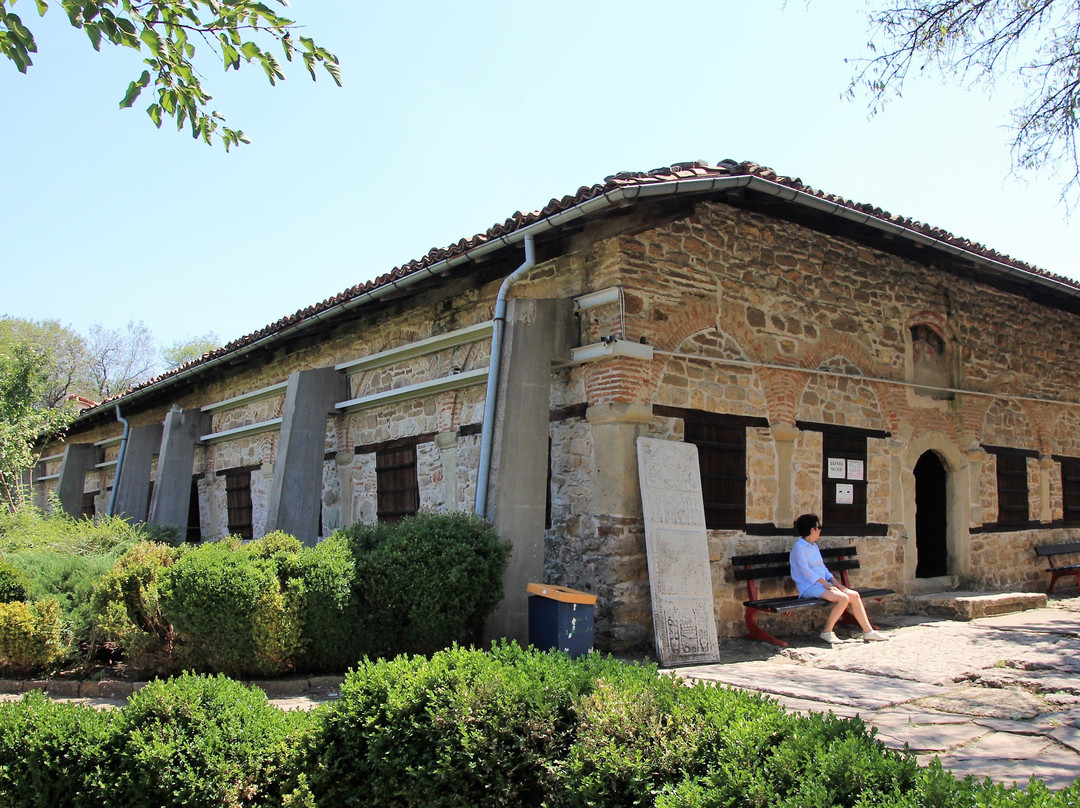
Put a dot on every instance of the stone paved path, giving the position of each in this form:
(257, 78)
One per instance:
(996, 697)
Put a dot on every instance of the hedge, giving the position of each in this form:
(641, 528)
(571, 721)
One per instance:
(468, 729)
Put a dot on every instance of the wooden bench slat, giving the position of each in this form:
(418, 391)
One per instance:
(1057, 549)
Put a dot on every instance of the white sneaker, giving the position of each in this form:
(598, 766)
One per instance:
(831, 638)
(874, 636)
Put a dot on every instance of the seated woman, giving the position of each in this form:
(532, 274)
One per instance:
(813, 580)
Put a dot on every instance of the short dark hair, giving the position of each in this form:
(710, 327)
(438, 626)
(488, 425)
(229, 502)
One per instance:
(805, 523)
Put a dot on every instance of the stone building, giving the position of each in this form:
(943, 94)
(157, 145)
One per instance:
(917, 390)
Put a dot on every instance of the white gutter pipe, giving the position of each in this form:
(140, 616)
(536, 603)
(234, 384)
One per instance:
(119, 460)
(487, 433)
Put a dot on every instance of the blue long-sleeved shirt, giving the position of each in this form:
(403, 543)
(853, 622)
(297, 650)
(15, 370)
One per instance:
(807, 565)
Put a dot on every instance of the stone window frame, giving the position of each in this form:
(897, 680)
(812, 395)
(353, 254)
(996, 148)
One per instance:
(1070, 489)
(716, 453)
(238, 504)
(1011, 476)
(849, 443)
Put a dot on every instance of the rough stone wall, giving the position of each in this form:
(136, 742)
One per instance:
(725, 284)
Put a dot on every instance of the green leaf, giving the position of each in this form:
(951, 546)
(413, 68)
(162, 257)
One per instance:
(154, 111)
(42, 7)
(134, 89)
(250, 50)
(152, 40)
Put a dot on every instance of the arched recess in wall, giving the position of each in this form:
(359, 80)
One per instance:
(841, 462)
(929, 358)
(1065, 476)
(1012, 441)
(707, 383)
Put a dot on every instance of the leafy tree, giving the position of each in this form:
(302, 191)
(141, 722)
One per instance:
(1034, 42)
(23, 378)
(183, 351)
(166, 32)
(65, 351)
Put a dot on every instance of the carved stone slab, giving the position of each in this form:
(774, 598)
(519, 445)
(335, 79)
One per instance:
(678, 553)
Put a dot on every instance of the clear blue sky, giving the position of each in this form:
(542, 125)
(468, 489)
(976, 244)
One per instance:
(452, 117)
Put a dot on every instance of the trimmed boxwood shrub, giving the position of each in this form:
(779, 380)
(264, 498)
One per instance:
(232, 611)
(425, 581)
(202, 741)
(52, 755)
(32, 635)
(330, 614)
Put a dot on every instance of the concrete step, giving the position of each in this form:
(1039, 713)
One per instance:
(970, 605)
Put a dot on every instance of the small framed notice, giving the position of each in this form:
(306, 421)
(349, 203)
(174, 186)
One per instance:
(845, 494)
(837, 468)
(855, 470)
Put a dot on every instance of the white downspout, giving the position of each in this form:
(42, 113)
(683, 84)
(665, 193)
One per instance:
(119, 460)
(487, 434)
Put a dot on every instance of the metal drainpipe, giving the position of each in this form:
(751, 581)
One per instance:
(119, 459)
(487, 434)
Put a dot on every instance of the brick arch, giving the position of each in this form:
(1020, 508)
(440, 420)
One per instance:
(825, 379)
(698, 317)
(832, 345)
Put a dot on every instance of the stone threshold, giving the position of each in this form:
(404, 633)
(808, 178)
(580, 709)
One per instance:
(971, 605)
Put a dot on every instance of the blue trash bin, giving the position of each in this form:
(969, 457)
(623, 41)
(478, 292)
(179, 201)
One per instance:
(560, 619)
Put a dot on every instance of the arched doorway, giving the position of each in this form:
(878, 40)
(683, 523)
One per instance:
(931, 517)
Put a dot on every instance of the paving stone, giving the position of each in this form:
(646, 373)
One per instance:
(1042, 621)
(1067, 736)
(826, 686)
(911, 716)
(930, 738)
(986, 702)
(1007, 758)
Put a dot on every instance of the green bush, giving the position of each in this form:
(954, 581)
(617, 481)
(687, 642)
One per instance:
(30, 529)
(202, 741)
(126, 607)
(524, 728)
(231, 610)
(426, 581)
(14, 585)
(31, 635)
(52, 755)
(330, 612)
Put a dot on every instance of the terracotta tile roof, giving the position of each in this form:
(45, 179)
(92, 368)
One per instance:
(678, 172)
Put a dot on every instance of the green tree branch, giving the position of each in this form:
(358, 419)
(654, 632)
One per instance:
(163, 31)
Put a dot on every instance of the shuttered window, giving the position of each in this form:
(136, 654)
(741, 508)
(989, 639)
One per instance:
(1070, 489)
(1012, 487)
(722, 461)
(843, 494)
(398, 490)
(238, 501)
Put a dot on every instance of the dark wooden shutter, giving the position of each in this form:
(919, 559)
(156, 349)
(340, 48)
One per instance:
(722, 460)
(1012, 486)
(1070, 489)
(396, 483)
(238, 501)
(838, 445)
